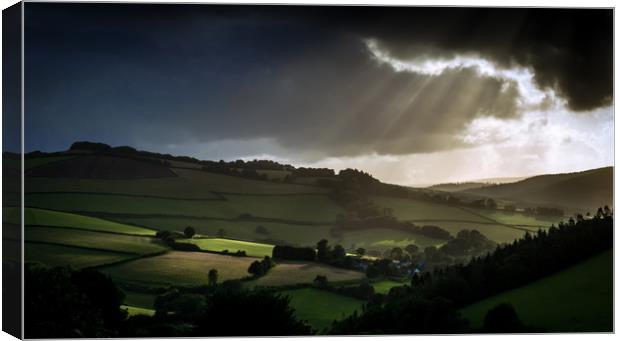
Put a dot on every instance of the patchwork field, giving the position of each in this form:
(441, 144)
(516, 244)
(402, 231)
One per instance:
(521, 219)
(290, 272)
(34, 216)
(237, 229)
(57, 255)
(555, 302)
(320, 308)
(293, 207)
(93, 240)
(410, 209)
(381, 239)
(179, 268)
(217, 244)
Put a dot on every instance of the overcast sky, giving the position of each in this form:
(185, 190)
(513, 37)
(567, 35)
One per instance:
(413, 95)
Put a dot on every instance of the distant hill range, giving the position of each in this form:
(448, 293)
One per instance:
(585, 190)
(462, 186)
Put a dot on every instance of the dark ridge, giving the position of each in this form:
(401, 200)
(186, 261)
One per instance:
(103, 167)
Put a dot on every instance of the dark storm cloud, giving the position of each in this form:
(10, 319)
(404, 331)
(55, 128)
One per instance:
(156, 74)
(570, 50)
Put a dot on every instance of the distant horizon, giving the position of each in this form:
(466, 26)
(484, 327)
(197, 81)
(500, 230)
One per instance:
(421, 185)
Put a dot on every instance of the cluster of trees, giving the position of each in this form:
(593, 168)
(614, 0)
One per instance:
(549, 211)
(63, 303)
(487, 203)
(294, 253)
(261, 267)
(313, 172)
(224, 169)
(387, 220)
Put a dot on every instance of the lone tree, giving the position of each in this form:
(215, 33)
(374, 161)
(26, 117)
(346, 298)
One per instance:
(323, 250)
(221, 233)
(189, 232)
(360, 251)
(212, 277)
(256, 268)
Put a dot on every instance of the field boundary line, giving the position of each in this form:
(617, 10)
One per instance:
(80, 247)
(497, 222)
(122, 261)
(92, 230)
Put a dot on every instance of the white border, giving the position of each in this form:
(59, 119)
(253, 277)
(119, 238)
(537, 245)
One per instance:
(483, 3)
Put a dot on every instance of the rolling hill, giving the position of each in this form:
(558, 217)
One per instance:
(582, 191)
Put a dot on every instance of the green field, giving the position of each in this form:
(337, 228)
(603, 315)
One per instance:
(132, 311)
(218, 244)
(577, 299)
(188, 184)
(179, 268)
(57, 255)
(305, 235)
(496, 232)
(291, 272)
(381, 239)
(384, 286)
(94, 240)
(293, 207)
(34, 216)
(517, 218)
(320, 308)
(410, 209)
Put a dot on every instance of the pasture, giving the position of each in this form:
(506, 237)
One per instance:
(179, 268)
(219, 244)
(381, 239)
(132, 311)
(293, 272)
(303, 235)
(93, 240)
(411, 209)
(384, 286)
(579, 298)
(34, 216)
(496, 232)
(320, 308)
(57, 255)
(520, 219)
(288, 207)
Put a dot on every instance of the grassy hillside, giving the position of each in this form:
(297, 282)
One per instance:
(179, 268)
(58, 255)
(218, 244)
(577, 299)
(291, 272)
(581, 190)
(319, 307)
(35, 216)
(93, 240)
(313, 208)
